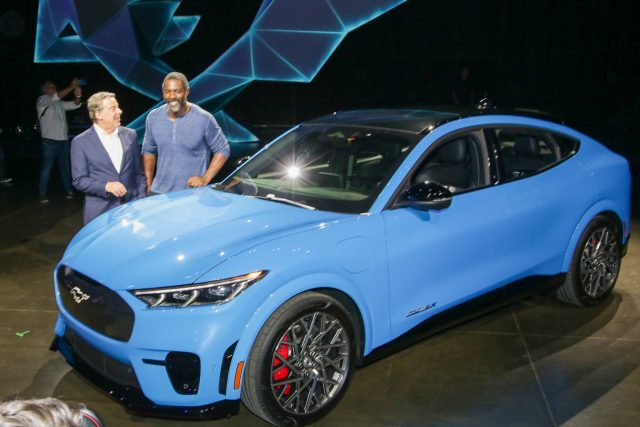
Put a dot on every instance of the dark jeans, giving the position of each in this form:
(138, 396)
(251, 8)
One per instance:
(52, 149)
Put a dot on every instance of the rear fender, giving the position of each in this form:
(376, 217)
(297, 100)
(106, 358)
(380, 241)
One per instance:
(601, 206)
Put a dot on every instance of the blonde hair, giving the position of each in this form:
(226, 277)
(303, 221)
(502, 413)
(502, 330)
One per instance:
(94, 103)
(48, 412)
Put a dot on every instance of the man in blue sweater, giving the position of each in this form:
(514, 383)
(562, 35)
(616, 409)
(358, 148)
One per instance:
(179, 140)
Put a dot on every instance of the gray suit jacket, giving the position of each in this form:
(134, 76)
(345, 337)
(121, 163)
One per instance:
(92, 168)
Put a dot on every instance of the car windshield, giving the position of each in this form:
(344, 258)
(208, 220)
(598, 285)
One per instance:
(331, 168)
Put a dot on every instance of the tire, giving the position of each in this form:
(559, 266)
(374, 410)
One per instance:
(311, 339)
(595, 265)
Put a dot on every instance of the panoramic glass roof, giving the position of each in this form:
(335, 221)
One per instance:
(414, 121)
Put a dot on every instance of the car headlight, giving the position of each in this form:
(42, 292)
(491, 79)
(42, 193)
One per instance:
(216, 292)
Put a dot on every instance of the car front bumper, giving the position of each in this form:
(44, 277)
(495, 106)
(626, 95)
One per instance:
(120, 382)
(163, 362)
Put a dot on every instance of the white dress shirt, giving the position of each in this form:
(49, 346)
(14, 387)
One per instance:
(113, 145)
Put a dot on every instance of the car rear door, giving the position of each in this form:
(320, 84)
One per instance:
(546, 191)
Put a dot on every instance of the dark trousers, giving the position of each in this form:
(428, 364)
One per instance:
(52, 150)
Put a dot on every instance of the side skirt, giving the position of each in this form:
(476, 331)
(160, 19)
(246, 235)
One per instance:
(468, 310)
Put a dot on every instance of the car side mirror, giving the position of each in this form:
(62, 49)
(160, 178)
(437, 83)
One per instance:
(426, 196)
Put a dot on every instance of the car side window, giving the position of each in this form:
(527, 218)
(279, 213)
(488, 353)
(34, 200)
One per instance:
(457, 164)
(528, 151)
(567, 146)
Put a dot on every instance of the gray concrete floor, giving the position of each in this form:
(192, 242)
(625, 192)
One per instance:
(535, 363)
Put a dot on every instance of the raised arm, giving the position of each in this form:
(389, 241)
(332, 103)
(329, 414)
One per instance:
(62, 93)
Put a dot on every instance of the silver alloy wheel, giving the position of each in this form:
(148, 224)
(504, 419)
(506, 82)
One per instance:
(310, 363)
(600, 262)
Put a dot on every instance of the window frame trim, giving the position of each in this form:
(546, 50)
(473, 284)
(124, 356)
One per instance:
(394, 200)
(490, 135)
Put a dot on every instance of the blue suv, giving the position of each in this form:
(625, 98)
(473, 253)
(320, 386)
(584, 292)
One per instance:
(347, 235)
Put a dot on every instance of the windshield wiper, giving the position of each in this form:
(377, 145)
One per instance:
(287, 201)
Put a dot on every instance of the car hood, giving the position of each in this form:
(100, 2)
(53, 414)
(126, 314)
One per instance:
(175, 238)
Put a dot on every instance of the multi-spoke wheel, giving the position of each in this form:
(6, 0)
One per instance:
(301, 361)
(310, 363)
(595, 265)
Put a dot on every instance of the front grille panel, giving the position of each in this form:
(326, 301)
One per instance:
(95, 305)
(111, 369)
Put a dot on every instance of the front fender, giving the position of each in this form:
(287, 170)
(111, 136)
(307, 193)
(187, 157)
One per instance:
(345, 257)
(282, 295)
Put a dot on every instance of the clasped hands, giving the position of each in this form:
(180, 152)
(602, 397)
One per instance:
(116, 188)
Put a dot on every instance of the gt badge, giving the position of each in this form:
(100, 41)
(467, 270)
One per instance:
(421, 309)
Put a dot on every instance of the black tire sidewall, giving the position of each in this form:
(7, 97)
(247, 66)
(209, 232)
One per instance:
(296, 310)
(579, 290)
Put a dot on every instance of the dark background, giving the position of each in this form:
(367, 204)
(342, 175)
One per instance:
(577, 59)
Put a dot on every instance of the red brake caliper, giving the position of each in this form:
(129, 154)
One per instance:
(283, 372)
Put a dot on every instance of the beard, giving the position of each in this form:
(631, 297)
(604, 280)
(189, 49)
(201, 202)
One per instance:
(175, 106)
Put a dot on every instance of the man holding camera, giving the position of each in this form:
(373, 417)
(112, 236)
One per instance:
(55, 134)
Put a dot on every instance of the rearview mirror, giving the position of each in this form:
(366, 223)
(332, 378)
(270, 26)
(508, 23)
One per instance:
(426, 196)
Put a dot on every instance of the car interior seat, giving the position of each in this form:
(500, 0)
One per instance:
(450, 167)
(526, 158)
(371, 174)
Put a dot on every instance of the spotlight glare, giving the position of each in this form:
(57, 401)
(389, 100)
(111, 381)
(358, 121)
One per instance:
(293, 172)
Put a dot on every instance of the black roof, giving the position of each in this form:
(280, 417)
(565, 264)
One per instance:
(417, 120)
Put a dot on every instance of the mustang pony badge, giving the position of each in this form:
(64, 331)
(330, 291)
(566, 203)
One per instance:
(78, 295)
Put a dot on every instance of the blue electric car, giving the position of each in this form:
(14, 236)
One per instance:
(347, 235)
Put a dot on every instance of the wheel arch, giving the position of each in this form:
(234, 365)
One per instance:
(355, 305)
(617, 222)
(603, 208)
(354, 313)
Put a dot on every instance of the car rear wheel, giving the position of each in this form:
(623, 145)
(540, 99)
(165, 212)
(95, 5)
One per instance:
(595, 265)
(301, 362)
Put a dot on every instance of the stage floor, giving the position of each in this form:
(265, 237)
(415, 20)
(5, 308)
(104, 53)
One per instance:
(535, 363)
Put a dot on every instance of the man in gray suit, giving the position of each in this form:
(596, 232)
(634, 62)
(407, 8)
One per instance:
(105, 159)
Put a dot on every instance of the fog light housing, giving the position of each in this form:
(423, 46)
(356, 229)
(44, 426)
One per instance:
(183, 370)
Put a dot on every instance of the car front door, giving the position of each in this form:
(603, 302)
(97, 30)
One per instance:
(439, 259)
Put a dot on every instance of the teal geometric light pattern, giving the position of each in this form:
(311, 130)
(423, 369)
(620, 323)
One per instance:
(126, 37)
(288, 41)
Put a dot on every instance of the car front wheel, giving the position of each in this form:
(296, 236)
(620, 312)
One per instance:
(301, 361)
(595, 265)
